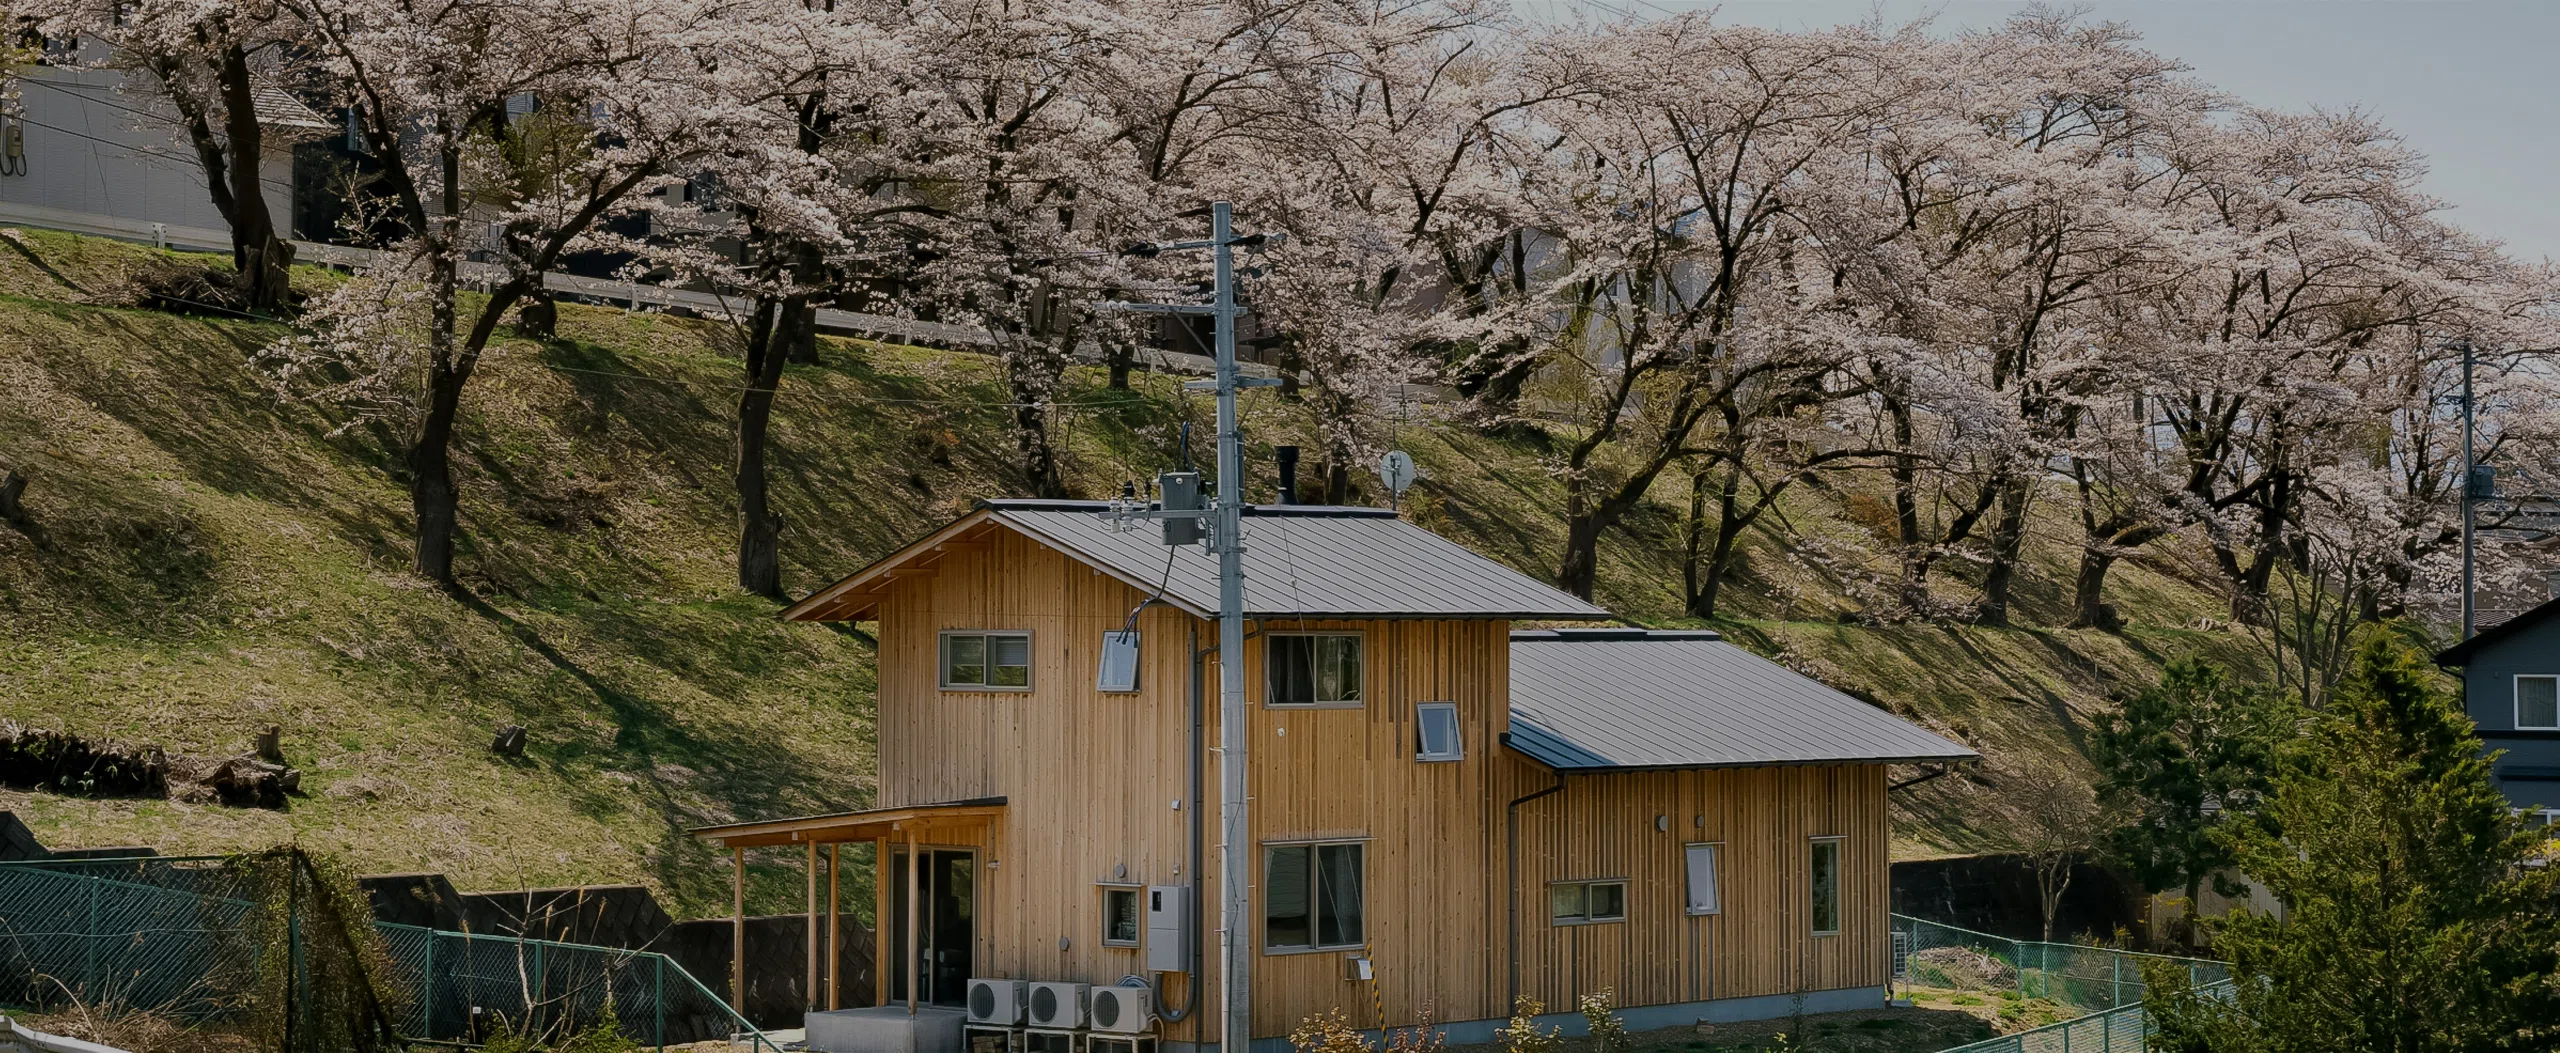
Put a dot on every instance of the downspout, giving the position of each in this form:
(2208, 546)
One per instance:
(1512, 817)
(1191, 990)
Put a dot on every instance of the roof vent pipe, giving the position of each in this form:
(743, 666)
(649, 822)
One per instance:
(1288, 458)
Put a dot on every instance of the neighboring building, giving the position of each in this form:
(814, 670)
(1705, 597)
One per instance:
(2511, 687)
(96, 150)
(1461, 812)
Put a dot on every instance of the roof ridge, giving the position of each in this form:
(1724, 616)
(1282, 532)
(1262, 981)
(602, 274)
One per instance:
(1039, 504)
(1612, 633)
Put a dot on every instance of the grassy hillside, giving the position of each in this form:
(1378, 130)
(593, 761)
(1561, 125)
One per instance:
(206, 559)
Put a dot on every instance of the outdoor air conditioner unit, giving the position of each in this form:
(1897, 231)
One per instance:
(1124, 1010)
(995, 1002)
(1060, 1005)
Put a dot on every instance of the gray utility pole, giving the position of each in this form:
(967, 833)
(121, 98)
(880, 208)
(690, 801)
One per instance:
(1226, 538)
(2470, 473)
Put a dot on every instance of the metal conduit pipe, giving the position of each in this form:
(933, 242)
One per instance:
(1191, 989)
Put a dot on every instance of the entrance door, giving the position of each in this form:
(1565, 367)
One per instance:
(948, 885)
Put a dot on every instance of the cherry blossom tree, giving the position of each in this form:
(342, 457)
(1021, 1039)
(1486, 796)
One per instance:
(210, 61)
(504, 134)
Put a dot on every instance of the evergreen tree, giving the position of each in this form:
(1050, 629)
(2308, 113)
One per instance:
(2174, 760)
(2415, 914)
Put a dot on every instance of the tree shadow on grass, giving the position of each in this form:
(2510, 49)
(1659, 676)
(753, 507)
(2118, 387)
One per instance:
(748, 774)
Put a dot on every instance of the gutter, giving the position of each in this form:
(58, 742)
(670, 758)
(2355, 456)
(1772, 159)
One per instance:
(1512, 884)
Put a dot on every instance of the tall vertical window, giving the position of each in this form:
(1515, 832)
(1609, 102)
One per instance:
(1311, 897)
(1826, 886)
(2538, 703)
(976, 661)
(1702, 880)
(1435, 732)
(1312, 669)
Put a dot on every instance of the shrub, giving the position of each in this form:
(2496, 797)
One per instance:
(1328, 1032)
(1608, 1033)
(1522, 1034)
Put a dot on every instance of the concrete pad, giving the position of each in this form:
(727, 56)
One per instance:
(886, 1029)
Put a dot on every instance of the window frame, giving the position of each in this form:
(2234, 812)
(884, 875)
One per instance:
(2515, 701)
(1315, 890)
(1269, 669)
(1812, 876)
(1137, 662)
(1586, 917)
(1715, 878)
(986, 662)
(1137, 900)
(1457, 750)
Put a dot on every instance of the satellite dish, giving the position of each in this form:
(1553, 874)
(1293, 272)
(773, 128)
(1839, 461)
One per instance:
(1396, 470)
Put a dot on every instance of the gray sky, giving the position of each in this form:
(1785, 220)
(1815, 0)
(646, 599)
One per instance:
(2473, 84)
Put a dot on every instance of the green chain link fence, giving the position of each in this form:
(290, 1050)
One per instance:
(180, 937)
(2092, 979)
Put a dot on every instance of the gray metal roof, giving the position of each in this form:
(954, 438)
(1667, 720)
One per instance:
(1602, 699)
(1307, 561)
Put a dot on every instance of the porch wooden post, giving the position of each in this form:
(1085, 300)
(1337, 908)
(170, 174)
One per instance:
(880, 921)
(915, 951)
(811, 937)
(835, 923)
(738, 930)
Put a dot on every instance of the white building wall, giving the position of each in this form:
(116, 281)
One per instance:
(97, 159)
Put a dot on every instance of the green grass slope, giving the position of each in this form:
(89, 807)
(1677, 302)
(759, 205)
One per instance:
(206, 559)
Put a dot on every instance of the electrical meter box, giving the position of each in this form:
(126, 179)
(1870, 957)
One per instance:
(1180, 492)
(1169, 928)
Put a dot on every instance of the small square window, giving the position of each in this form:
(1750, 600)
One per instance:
(1312, 669)
(2538, 703)
(1119, 671)
(1119, 916)
(1585, 902)
(1435, 731)
(975, 661)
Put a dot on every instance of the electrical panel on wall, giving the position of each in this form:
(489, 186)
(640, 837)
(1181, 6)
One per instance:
(1169, 928)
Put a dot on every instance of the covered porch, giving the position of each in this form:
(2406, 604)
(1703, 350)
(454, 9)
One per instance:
(923, 895)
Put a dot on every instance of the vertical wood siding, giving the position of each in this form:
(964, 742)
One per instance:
(1091, 779)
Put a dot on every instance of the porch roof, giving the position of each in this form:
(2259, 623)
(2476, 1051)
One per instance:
(837, 827)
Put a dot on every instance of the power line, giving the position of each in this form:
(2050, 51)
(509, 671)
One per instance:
(191, 163)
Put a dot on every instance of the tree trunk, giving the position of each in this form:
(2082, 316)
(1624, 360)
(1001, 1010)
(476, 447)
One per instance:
(1581, 567)
(1119, 355)
(2088, 588)
(1705, 577)
(803, 345)
(261, 261)
(2008, 537)
(13, 510)
(431, 495)
(1034, 378)
(777, 327)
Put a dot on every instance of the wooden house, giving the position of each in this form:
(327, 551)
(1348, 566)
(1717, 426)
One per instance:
(1448, 814)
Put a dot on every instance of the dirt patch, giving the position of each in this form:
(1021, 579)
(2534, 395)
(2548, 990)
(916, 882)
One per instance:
(1963, 969)
(137, 1032)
